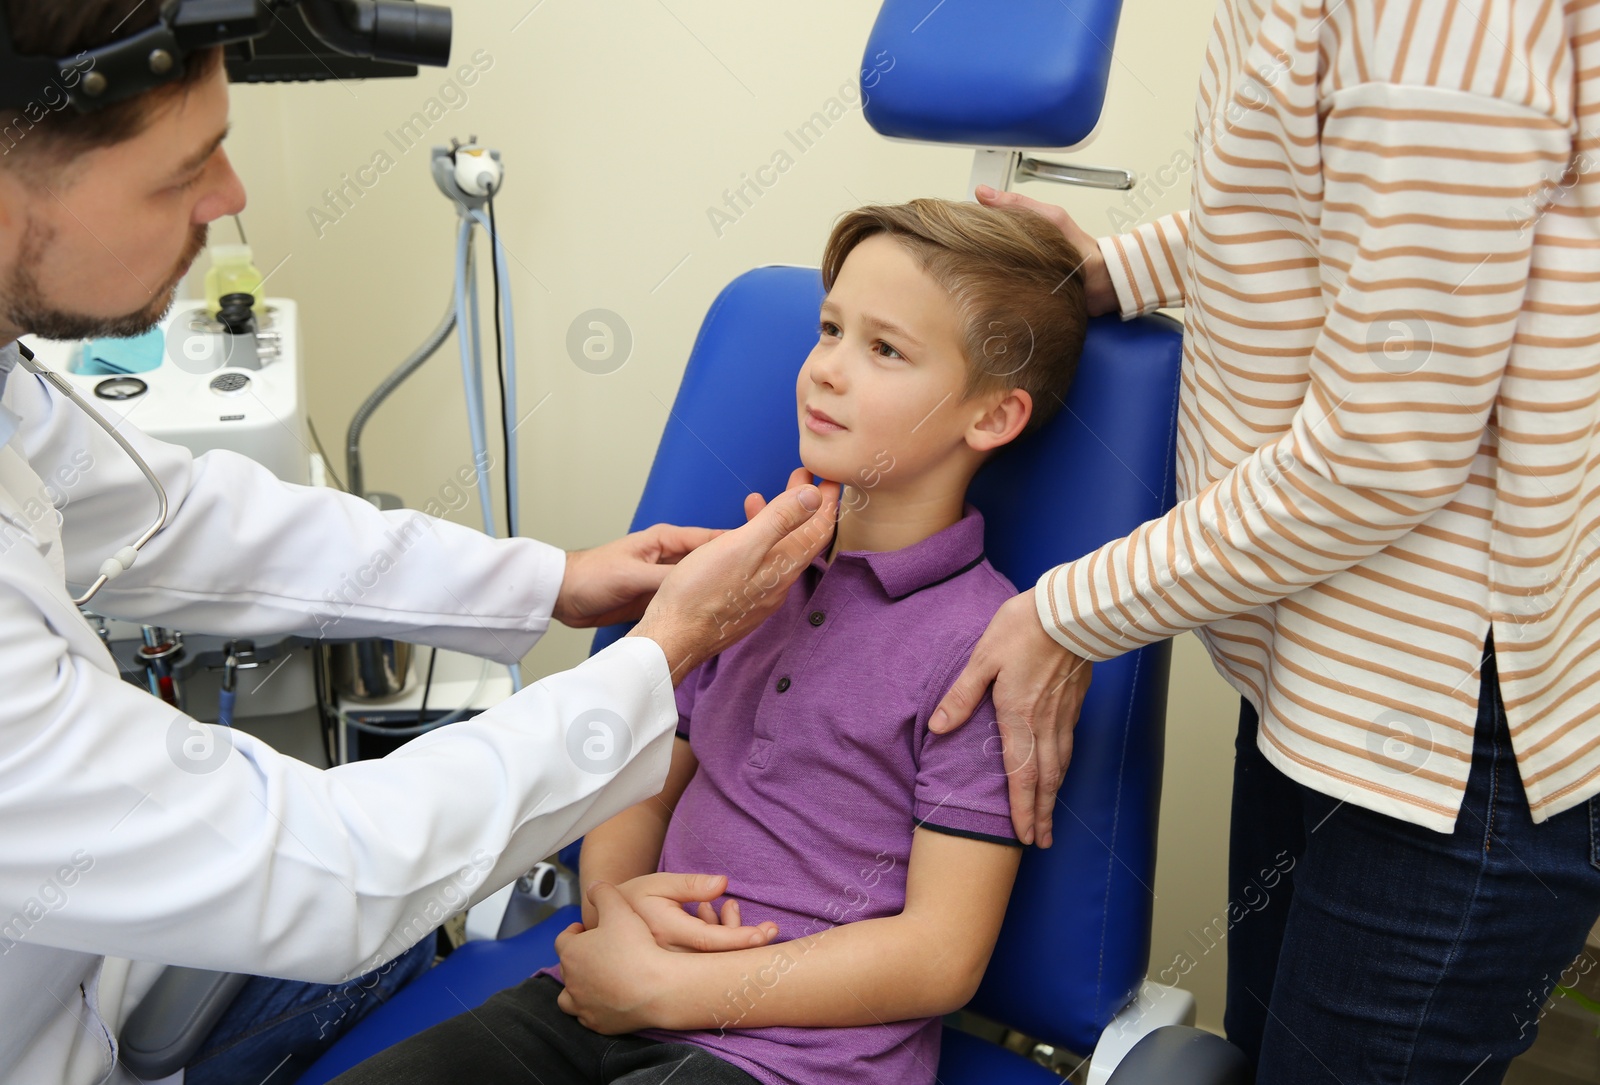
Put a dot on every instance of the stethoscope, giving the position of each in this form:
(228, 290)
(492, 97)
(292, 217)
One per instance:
(123, 559)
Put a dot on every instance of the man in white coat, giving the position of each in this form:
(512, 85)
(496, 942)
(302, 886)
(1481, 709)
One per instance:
(112, 841)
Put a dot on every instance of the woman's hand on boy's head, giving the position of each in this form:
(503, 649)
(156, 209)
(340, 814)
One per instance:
(1038, 691)
(659, 898)
(1099, 293)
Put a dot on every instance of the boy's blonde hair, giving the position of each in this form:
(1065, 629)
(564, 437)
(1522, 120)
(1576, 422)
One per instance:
(1013, 277)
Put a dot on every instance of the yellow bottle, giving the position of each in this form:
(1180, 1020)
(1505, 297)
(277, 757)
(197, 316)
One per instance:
(231, 272)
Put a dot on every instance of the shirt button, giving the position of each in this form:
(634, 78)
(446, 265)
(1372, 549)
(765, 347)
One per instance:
(783, 683)
(817, 616)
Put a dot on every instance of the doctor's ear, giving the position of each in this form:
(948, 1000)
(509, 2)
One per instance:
(1002, 422)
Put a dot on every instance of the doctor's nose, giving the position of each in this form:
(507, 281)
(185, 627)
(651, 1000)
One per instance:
(227, 195)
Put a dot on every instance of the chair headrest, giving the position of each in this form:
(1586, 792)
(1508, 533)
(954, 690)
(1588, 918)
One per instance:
(1023, 73)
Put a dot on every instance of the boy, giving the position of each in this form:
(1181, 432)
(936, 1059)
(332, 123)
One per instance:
(871, 860)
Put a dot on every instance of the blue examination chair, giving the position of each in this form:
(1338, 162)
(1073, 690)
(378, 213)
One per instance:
(1075, 943)
(1068, 972)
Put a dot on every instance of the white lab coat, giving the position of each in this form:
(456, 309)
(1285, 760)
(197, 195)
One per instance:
(263, 864)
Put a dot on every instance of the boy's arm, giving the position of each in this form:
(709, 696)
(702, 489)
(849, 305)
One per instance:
(628, 845)
(925, 962)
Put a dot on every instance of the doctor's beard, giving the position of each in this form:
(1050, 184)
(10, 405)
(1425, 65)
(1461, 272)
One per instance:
(26, 307)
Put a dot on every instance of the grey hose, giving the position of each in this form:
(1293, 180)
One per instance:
(352, 439)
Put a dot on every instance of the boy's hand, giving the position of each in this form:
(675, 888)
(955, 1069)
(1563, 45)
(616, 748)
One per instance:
(614, 582)
(614, 973)
(1099, 293)
(658, 899)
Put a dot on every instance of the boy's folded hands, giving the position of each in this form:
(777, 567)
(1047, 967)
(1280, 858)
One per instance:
(658, 899)
(614, 980)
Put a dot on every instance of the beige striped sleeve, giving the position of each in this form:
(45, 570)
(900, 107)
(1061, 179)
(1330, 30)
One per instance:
(1146, 264)
(1426, 271)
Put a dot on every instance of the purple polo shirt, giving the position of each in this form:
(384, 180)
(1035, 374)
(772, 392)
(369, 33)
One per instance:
(816, 765)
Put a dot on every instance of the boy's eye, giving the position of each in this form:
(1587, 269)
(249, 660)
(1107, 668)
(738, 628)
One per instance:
(828, 328)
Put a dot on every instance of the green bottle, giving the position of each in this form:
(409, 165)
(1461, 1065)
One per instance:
(231, 272)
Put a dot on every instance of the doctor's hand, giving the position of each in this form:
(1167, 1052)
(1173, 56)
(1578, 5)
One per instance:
(727, 587)
(1038, 692)
(614, 582)
(1100, 295)
(754, 503)
(658, 899)
(614, 972)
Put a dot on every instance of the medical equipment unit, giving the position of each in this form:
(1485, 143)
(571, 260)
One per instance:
(1067, 983)
(206, 383)
(226, 374)
(204, 379)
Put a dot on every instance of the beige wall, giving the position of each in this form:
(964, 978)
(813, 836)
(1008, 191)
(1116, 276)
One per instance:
(621, 122)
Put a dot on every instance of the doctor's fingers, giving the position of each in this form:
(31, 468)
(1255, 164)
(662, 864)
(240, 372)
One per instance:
(668, 543)
(797, 534)
(754, 503)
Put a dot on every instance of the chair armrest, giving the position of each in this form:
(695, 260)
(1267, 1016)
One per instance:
(170, 1023)
(1180, 1055)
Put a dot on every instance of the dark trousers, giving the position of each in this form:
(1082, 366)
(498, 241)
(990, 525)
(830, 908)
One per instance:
(1390, 954)
(521, 1036)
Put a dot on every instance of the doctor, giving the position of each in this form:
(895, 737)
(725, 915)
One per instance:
(115, 839)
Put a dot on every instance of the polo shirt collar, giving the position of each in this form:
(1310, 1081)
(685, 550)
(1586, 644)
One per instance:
(937, 558)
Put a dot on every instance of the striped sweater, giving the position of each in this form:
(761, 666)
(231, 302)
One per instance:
(1389, 419)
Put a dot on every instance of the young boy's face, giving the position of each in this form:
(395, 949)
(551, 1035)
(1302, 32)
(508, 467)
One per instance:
(884, 383)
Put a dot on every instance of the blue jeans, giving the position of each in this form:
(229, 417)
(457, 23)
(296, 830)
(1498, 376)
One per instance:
(275, 1029)
(1389, 954)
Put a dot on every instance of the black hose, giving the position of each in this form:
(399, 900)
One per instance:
(352, 441)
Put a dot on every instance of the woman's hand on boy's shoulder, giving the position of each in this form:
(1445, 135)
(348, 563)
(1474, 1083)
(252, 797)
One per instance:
(1038, 692)
(659, 898)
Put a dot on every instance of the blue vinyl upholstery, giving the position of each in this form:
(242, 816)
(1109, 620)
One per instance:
(1022, 73)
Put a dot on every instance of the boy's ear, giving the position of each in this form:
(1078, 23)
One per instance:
(1002, 422)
